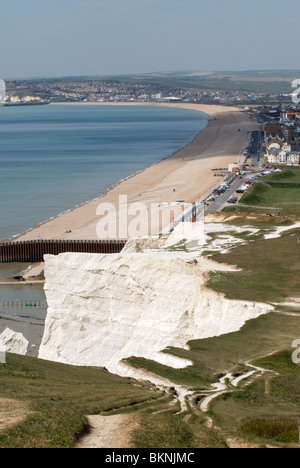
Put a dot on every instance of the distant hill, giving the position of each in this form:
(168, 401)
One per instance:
(264, 81)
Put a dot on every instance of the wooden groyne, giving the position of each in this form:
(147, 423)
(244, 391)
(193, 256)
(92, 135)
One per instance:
(34, 251)
(21, 304)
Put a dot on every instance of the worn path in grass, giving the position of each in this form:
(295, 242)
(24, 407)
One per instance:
(12, 412)
(110, 431)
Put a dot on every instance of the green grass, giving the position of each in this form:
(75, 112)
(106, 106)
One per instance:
(267, 409)
(260, 221)
(59, 397)
(178, 434)
(286, 386)
(172, 431)
(270, 270)
(279, 429)
(290, 175)
(285, 196)
(211, 83)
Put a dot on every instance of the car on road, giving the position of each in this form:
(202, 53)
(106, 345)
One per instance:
(232, 200)
(219, 191)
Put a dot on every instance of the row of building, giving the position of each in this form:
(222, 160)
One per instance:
(130, 91)
(282, 137)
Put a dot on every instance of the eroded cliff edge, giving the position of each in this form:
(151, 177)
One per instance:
(104, 308)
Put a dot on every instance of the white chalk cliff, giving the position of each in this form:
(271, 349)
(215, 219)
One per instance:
(103, 308)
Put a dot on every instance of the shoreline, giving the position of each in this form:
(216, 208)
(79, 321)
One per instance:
(17, 237)
(152, 185)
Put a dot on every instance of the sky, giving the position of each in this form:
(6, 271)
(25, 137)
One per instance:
(114, 37)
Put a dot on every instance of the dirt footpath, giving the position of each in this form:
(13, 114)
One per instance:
(109, 432)
(12, 412)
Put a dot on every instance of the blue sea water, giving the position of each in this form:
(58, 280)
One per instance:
(53, 158)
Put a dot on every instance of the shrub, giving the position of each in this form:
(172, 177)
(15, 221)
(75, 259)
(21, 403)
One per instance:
(279, 429)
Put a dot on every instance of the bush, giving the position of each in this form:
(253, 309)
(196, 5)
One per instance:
(279, 429)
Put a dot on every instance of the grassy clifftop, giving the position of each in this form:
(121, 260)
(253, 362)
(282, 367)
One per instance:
(57, 399)
(278, 190)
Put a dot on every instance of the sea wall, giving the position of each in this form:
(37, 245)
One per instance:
(103, 308)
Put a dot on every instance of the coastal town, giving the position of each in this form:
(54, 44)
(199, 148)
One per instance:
(136, 89)
(282, 137)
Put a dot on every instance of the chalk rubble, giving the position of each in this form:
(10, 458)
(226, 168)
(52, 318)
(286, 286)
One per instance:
(13, 342)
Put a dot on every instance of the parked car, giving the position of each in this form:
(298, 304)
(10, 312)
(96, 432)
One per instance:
(232, 200)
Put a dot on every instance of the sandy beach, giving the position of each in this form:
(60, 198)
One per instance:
(186, 175)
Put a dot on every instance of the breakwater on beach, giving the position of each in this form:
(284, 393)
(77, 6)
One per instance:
(34, 251)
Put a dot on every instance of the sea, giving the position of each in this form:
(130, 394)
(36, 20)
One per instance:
(54, 158)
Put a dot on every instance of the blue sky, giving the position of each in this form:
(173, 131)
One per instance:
(102, 37)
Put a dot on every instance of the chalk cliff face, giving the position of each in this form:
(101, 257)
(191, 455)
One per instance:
(103, 308)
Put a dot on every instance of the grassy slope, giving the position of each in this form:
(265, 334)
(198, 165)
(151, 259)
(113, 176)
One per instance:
(268, 409)
(270, 267)
(270, 270)
(214, 83)
(60, 396)
(282, 194)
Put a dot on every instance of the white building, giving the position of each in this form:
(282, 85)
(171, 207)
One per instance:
(279, 153)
